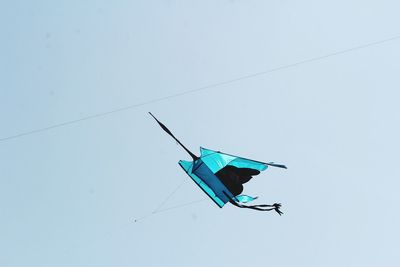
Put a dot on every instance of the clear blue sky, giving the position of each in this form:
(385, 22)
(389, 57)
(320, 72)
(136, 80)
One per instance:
(68, 196)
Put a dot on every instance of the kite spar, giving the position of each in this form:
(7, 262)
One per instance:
(194, 157)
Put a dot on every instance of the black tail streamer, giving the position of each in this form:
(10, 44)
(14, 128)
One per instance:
(261, 207)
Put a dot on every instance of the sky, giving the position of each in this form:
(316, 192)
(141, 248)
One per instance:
(69, 195)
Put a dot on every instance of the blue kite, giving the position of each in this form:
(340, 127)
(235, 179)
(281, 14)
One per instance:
(221, 176)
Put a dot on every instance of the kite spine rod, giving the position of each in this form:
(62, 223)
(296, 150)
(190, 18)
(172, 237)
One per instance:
(272, 164)
(170, 133)
(276, 165)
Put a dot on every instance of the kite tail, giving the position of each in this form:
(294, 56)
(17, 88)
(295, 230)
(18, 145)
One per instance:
(261, 207)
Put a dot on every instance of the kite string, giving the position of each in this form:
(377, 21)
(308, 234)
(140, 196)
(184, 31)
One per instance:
(169, 196)
(158, 208)
(181, 205)
(244, 77)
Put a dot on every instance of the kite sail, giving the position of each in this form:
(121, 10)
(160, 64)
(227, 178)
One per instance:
(221, 176)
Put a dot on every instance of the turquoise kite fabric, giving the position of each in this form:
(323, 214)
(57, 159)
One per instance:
(221, 176)
(209, 163)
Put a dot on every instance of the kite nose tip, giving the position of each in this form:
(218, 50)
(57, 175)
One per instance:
(151, 114)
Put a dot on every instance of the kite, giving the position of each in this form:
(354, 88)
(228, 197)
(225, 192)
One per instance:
(221, 176)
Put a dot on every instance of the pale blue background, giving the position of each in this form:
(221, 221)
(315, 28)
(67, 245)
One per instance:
(68, 196)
